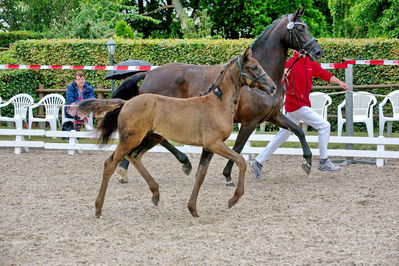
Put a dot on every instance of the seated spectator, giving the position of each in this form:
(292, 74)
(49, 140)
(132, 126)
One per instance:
(77, 91)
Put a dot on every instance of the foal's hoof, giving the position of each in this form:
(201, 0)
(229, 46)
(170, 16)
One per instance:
(155, 200)
(187, 168)
(306, 167)
(230, 184)
(193, 212)
(232, 202)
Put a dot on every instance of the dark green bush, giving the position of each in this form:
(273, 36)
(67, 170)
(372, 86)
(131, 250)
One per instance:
(8, 38)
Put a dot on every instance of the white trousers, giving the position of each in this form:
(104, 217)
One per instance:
(308, 116)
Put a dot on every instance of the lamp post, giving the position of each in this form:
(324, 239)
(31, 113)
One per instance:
(111, 45)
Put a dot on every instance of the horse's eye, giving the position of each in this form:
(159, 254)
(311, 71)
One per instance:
(254, 68)
(300, 28)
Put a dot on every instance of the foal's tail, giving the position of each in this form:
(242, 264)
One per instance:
(129, 88)
(109, 123)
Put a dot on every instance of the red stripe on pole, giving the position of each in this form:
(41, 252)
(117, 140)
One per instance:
(122, 67)
(376, 62)
(99, 67)
(56, 67)
(340, 65)
(77, 67)
(34, 66)
(145, 68)
(13, 66)
(350, 62)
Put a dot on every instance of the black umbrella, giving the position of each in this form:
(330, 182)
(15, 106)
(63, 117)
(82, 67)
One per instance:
(122, 74)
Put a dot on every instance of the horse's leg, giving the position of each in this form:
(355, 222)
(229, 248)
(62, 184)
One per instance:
(242, 137)
(122, 171)
(206, 157)
(145, 145)
(109, 168)
(282, 121)
(221, 149)
(152, 184)
(181, 157)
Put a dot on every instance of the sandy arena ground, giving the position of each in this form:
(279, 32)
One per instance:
(47, 214)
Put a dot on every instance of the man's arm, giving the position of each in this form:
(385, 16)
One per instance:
(342, 84)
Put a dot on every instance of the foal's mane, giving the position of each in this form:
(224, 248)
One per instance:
(267, 30)
(216, 83)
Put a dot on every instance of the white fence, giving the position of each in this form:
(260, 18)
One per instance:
(22, 142)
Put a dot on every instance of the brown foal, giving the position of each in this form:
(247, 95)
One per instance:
(203, 121)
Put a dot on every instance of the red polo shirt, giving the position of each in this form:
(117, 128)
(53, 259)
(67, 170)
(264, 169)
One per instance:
(300, 81)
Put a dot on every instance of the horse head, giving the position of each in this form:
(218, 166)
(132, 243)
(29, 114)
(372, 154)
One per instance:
(253, 74)
(299, 37)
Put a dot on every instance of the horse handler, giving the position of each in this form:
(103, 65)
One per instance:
(300, 73)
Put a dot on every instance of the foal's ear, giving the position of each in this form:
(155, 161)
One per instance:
(247, 53)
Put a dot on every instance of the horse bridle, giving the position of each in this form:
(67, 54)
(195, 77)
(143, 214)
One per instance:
(293, 33)
(242, 74)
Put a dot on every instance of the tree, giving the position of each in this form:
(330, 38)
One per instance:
(365, 18)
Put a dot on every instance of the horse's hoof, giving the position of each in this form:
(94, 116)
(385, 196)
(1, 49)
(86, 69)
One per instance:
(306, 167)
(98, 214)
(230, 184)
(187, 168)
(123, 173)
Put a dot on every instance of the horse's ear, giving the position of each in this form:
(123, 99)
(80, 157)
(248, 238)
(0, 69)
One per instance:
(297, 14)
(247, 53)
(302, 11)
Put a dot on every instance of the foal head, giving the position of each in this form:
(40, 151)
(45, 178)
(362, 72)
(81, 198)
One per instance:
(252, 73)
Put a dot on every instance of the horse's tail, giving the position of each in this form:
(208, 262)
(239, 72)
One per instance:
(109, 123)
(129, 88)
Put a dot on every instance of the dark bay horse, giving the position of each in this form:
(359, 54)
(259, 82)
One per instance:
(270, 49)
(203, 121)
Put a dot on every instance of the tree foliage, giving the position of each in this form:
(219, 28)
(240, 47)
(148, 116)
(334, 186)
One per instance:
(197, 18)
(365, 18)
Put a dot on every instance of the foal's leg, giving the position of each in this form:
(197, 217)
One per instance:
(206, 158)
(282, 121)
(152, 184)
(242, 137)
(109, 168)
(221, 149)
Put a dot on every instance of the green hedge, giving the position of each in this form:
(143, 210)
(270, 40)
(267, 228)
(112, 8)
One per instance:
(13, 82)
(199, 51)
(8, 38)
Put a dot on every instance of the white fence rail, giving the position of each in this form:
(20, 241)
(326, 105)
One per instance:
(73, 144)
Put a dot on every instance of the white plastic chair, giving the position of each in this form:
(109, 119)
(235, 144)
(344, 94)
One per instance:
(88, 126)
(320, 102)
(52, 103)
(363, 104)
(393, 97)
(21, 103)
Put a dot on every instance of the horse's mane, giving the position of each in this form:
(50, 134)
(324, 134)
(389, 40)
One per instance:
(267, 30)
